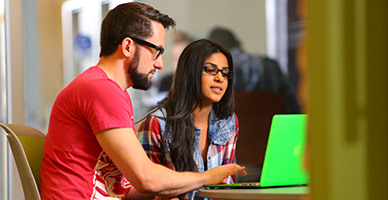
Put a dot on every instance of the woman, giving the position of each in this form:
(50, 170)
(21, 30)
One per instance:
(194, 128)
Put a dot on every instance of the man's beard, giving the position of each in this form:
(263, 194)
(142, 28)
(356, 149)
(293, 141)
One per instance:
(140, 81)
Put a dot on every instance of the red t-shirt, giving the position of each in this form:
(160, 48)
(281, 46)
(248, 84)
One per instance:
(74, 165)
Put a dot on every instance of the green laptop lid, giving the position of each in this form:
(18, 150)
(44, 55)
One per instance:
(283, 162)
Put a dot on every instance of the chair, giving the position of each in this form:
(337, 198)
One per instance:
(27, 146)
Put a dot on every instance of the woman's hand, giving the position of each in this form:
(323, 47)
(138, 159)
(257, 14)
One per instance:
(218, 174)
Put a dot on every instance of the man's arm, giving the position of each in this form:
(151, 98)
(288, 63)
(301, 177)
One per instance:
(122, 146)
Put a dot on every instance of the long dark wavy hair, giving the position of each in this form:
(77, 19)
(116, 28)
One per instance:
(184, 96)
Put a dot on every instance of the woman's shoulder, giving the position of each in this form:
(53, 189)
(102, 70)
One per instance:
(228, 119)
(159, 116)
(159, 113)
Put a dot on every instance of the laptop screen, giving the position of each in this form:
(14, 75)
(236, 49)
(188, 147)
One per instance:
(283, 162)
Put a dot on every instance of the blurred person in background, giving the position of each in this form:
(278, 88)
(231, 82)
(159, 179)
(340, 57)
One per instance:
(256, 72)
(180, 40)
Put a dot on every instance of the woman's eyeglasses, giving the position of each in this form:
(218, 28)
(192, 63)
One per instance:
(213, 70)
(159, 50)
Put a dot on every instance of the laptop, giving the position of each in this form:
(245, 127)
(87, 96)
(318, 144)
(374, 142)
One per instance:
(283, 161)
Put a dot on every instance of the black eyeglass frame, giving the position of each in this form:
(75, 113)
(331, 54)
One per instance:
(226, 75)
(158, 49)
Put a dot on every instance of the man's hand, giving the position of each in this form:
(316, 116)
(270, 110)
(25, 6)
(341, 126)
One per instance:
(218, 174)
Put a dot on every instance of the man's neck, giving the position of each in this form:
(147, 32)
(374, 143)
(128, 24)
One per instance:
(115, 71)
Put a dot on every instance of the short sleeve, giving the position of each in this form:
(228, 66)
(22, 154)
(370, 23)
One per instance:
(104, 105)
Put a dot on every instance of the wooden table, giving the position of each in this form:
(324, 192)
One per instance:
(283, 193)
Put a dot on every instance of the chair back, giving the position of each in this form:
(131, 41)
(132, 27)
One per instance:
(27, 146)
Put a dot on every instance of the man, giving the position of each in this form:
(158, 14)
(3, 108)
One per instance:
(91, 149)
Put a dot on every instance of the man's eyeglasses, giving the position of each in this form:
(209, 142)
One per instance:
(213, 70)
(159, 50)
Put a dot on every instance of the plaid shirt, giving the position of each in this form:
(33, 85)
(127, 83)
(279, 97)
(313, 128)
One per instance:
(222, 144)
